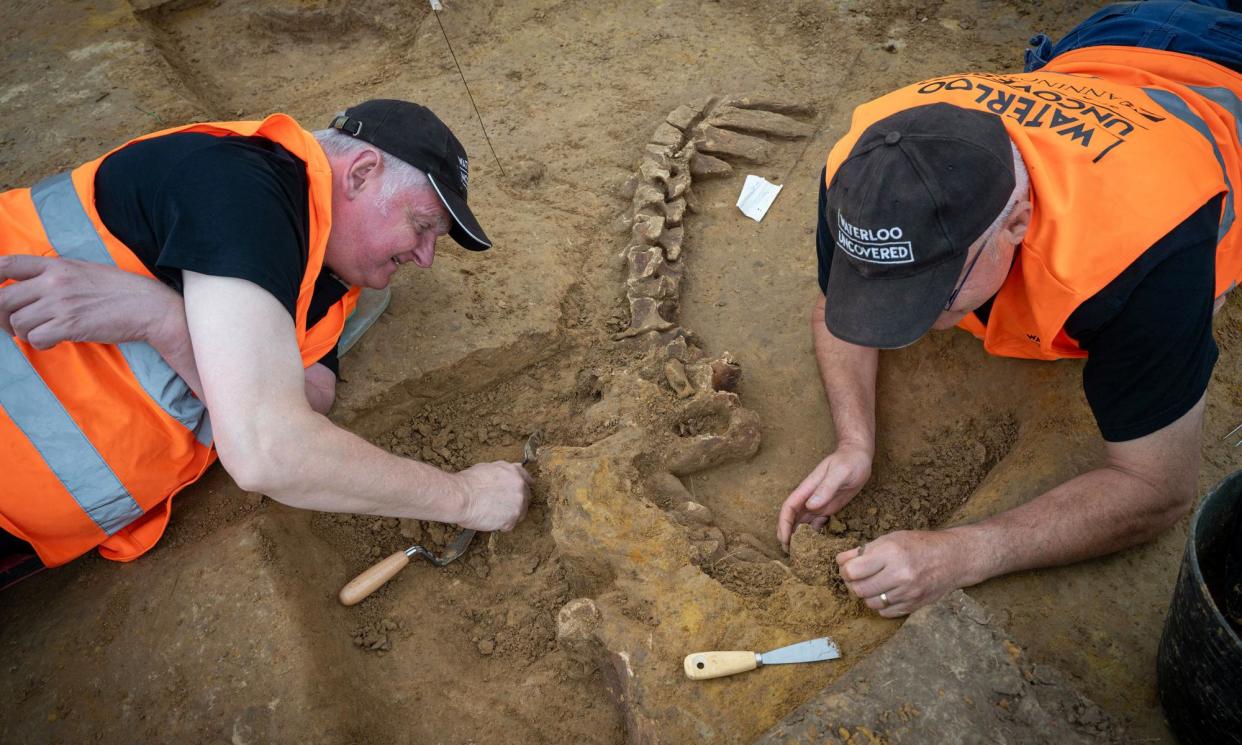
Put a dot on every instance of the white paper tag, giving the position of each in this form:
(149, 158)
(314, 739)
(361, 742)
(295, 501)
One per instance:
(437, 5)
(757, 196)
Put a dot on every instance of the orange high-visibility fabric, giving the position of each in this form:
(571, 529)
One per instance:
(152, 455)
(1111, 173)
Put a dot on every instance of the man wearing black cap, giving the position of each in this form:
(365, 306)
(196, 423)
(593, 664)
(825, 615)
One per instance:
(212, 268)
(1081, 209)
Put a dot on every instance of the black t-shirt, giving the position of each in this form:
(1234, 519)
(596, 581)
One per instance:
(1147, 334)
(222, 206)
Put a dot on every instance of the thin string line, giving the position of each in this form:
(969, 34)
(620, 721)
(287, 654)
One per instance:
(468, 93)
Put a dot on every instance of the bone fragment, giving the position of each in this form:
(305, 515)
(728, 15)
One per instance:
(644, 317)
(682, 117)
(671, 240)
(644, 261)
(770, 104)
(760, 122)
(668, 490)
(660, 286)
(731, 144)
(726, 374)
(654, 169)
(703, 104)
(678, 349)
(674, 212)
(675, 374)
(647, 195)
(700, 452)
(692, 201)
(661, 151)
(667, 134)
(576, 626)
(677, 185)
(703, 165)
(693, 513)
(647, 228)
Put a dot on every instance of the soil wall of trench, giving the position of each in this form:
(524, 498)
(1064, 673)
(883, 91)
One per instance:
(655, 336)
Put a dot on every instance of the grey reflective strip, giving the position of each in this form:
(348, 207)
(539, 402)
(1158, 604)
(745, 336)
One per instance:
(1176, 106)
(167, 388)
(71, 233)
(65, 221)
(40, 416)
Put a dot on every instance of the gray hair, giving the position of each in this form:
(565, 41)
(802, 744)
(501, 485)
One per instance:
(398, 175)
(1021, 188)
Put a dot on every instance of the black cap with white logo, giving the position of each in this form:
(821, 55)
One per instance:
(418, 137)
(919, 187)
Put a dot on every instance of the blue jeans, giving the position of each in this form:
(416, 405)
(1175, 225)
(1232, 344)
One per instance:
(1206, 28)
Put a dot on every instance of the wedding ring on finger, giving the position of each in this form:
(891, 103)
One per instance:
(884, 599)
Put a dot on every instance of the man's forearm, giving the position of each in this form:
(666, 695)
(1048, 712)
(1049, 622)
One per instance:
(1091, 515)
(310, 474)
(848, 374)
(268, 437)
(170, 336)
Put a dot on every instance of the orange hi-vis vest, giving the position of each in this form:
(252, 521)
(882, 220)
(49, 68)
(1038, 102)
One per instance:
(1122, 145)
(95, 439)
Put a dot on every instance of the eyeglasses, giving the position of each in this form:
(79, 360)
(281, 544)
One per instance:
(948, 305)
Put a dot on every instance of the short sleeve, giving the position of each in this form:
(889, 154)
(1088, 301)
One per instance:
(824, 244)
(236, 210)
(1148, 335)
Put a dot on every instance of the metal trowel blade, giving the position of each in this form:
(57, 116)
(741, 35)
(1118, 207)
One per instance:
(814, 650)
(455, 549)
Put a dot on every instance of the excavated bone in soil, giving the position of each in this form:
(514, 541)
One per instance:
(619, 510)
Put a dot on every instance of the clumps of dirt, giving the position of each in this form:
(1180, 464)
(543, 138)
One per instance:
(430, 535)
(812, 556)
(807, 594)
(447, 440)
(702, 420)
(747, 578)
(804, 608)
(742, 565)
(517, 622)
(366, 537)
(375, 636)
(517, 632)
(924, 491)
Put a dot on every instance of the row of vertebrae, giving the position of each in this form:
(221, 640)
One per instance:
(695, 141)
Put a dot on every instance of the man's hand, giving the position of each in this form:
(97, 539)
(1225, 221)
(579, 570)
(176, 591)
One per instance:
(911, 568)
(55, 300)
(834, 482)
(496, 495)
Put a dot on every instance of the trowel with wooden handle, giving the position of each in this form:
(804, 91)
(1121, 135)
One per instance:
(372, 579)
(704, 665)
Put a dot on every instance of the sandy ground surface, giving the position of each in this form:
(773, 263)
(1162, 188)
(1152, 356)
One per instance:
(229, 632)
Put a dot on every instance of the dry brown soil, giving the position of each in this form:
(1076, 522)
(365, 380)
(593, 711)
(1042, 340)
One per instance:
(229, 631)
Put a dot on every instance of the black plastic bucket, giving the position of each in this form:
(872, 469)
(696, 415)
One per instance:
(1199, 667)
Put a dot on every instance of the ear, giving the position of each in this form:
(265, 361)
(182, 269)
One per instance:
(364, 169)
(1018, 222)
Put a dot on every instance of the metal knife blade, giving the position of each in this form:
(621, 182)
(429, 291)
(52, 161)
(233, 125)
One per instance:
(814, 650)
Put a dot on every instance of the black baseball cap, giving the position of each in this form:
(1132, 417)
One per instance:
(417, 136)
(918, 188)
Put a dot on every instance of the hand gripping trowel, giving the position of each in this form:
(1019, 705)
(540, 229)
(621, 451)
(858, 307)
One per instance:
(704, 665)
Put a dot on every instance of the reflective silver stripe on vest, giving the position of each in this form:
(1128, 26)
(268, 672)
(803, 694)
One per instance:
(40, 416)
(1173, 104)
(71, 233)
